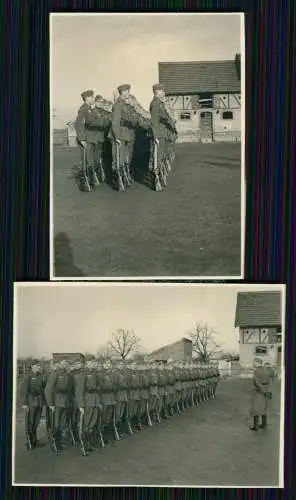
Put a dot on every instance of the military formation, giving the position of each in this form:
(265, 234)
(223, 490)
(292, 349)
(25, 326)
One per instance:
(125, 126)
(89, 404)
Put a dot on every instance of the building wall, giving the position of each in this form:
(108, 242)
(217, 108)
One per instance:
(179, 351)
(268, 340)
(223, 129)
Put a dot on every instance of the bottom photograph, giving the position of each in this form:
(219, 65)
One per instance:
(133, 384)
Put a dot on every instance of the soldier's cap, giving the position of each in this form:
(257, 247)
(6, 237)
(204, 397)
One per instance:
(98, 97)
(35, 362)
(87, 93)
(123, 86)
(158, 86)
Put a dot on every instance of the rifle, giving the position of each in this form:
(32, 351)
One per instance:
(80, 433)
(51, 430)
(114, 424)
(28, 431)
(70, 429)
(148, 414)
(119, 178)
(99, 430)
(128, 420)
(102, 172)
(85, 172)
(155, 169)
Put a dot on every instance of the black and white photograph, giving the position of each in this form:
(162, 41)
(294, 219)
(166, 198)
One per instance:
(141, 384)
(147, 124)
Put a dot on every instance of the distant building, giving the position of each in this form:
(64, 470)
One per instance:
(259, 319)
(70, 356)
(205, 97)
(178, 351)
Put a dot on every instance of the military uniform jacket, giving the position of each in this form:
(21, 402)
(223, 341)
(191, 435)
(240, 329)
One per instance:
(58, 389)
(134, 384)
(123, 122)
(170, 382)
(153, 389)
(161, 123)
(87, 390)
(178, 385)
(144, 382)
(107, 388)
(33, 390)
(97, 123)
(162, 383)
(120, 384)
(75, 379)
(84, 134)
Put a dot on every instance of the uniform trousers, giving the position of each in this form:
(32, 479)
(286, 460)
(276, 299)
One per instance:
(33, 420)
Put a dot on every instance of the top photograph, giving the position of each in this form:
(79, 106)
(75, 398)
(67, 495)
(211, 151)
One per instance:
(147, 128)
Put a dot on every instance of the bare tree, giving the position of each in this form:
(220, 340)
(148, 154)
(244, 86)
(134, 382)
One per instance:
(204, 343)
(124, 343)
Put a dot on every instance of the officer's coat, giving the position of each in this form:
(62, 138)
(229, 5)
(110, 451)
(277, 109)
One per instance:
(58, 389)
(33, 390)
(123, 121)
(87, 390)
(260, 386)
(83, 134)
(161, 123)
(97, 122)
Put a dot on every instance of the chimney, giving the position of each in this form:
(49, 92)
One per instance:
(237, 62)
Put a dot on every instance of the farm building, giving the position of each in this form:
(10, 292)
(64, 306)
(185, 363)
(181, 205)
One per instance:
(259, 319)
(178, 351)
(205, 97)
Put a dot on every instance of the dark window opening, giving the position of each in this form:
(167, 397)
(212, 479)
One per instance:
(206, 114)
(227, 115)
(185, 116)
(205, 100)
(260, 349)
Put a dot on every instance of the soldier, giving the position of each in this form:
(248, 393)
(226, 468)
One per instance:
(33, 402)
(86, 138)
(108, 401)
(120, 380)
(261, 394)
(58, 392)
(153, 394)
(87, 392)
(75, 370)
(134, 396)
(178, 387)
(144, 394)
(161, 125)
(170, 388)
(97, 124)
(122, 135)
(162, 389)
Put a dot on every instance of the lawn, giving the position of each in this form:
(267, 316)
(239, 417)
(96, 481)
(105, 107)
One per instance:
(207, 445)
(193, 228)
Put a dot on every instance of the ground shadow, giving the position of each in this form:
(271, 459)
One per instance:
(63, 255)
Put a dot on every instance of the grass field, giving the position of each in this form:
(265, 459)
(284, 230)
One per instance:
(191, 229)
(207, 445)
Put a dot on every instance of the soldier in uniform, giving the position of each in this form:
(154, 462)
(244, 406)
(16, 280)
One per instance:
(161, 125)
(122, 135)
(134, 396)
(33, 402)
(162, 388)
(120, 381)
(260, 395)
(178, 387)
(170, 388)
(58, 394)
(153, 394)
(87, 139)
(87, 394)
(144, 394)
(97, 124)
(108, 400)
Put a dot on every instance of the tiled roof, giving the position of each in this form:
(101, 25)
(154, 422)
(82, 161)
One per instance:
(258, 309)
(163, 348)
(196, 77)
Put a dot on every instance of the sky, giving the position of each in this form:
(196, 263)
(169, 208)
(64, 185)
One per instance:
(56, 317)
(102, 51)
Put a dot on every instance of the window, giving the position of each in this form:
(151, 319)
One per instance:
(260, 349)
(185, 116)
(227, 115)
(205, 100)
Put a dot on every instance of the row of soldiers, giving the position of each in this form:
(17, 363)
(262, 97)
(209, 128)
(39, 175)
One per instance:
(92, 403)
(123, 123)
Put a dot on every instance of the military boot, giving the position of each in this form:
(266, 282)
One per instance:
(254, 427)
(263, 424)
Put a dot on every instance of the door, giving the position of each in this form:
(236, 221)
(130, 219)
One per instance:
(206, 126)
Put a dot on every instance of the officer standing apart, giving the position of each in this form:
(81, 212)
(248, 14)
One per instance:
(260, 395)
(33, 402)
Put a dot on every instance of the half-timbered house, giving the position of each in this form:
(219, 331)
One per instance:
(259, 320)
(205, 97)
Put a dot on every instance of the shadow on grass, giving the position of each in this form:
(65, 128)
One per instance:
(64, 264)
